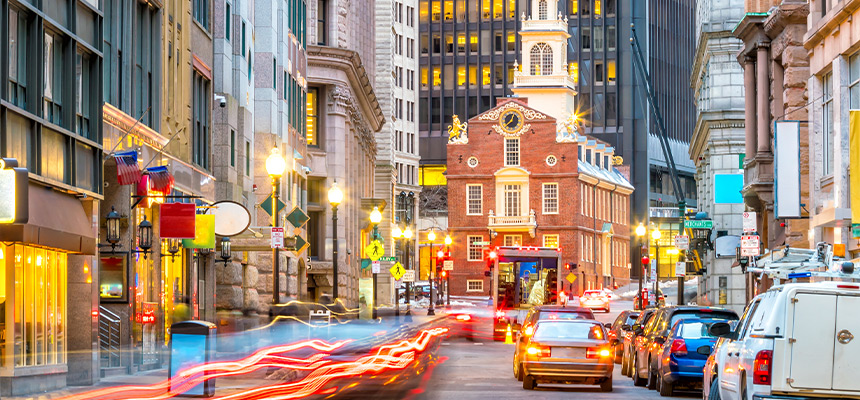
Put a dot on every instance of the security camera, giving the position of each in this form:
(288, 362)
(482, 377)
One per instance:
(222, 101)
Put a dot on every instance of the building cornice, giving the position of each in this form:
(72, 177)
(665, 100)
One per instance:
(707, 120)
(350, 63)
(829, 24)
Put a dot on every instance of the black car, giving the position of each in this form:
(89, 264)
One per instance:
(616, 332)
(648, 350)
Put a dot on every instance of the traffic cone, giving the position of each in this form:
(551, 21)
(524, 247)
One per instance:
(509, 338)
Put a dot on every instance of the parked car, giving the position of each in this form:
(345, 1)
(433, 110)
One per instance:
(794, 342)
(647, 349)
(711, 364)
(568, 351)
(633, 332)
(683, 355)
(538, 313)
(595, 299)
(616, 332)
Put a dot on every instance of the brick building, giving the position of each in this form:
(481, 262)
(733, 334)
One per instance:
(518, 177)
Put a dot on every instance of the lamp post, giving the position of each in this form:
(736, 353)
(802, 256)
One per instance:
(275, 166)
(375, 219)
(397, 233)
(655, 234)
(407, 235)
(431, 237)
(144, 236)
(448, 242)
(643, 254)
(335, 196)
(112, 223)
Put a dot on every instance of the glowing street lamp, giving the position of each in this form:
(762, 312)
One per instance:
(335, 197)
(276, 165)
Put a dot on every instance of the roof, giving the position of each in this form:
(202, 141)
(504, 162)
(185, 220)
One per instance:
(611, 176)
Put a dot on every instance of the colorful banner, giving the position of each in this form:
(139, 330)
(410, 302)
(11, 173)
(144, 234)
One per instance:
(854, 162)
(178, 221)
(204, 237)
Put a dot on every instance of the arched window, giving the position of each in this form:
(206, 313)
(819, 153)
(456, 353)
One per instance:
(542, 10)
(541, 59)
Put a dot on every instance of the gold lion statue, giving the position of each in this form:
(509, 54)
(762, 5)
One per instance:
(457, 130)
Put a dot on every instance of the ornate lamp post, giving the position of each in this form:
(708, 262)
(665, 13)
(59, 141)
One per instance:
(335, 197)
(275, 166)
(643, 253)
(431, 237)
(144, 236)
(448, 242)
(226, 254)
(112, 223)
(375, 219)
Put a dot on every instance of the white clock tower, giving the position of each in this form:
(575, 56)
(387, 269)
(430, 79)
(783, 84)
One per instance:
(544, 78)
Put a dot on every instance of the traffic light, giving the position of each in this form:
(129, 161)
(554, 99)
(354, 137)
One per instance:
(645, 260)
(570, 266)
(444, 274)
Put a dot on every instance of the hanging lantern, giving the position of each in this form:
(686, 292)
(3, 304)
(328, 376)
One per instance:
(173, 246)
(225, 249)
(144, 236)
(112, 224)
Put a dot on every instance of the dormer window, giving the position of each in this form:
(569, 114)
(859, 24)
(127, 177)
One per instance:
(588, 156)
(597, 160)
(606, 162)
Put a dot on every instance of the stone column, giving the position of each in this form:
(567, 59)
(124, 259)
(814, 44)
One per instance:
(750, 110)
(763, 98)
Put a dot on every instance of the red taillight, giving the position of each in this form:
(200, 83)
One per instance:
(500, 313)
(539, 351)
(848, 287)
(679, 347)
(597, 352)
(762, 367)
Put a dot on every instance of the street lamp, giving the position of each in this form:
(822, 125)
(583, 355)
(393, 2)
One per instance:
(226, 254)
(431, 237)
(655, 234)
(448, 242)
(407, 234)
(144, 236)
(375, 219)
(643, 253)
(112, 222)
(335, 196)
(275, 166)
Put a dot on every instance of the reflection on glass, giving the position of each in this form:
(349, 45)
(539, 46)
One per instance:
(436, 11)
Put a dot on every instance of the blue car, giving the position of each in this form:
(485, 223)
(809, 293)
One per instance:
(684, 354)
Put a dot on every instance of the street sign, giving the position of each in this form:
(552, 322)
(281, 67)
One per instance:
(266, 205)
(301, 244)
(680, 269)
(653, 276)
(699, 224)
(682, 242)
(481, 243)
(409, 275)
(297, 217)
(448, 265)
(750, 245)
(571, 277)
(397, 271)
(278, 238)
(749, 221)
(374, 250)
(388, 259)
(374, 267)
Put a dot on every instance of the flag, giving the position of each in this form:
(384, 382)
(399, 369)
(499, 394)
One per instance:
(127, 170)
(160, 179)
(854, 165)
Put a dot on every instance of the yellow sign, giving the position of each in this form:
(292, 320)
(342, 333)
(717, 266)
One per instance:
(374, 250)
(397, 271)
(571, 277)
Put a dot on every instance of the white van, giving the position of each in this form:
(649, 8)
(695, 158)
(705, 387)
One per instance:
(795, 341)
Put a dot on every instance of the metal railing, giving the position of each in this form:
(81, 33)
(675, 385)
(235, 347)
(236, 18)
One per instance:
(498, 220)
(555, 79)
(110, 328)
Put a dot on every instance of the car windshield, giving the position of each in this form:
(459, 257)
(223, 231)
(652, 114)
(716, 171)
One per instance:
(694, 330)
(552, 330)
(698, 314)
(563, 315)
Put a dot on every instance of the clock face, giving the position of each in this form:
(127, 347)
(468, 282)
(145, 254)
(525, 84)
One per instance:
(511, 120)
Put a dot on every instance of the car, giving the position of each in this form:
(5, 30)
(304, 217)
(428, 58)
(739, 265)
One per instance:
(794, 341)
(616, 332)
(710, 364)
(683, 355)
(646, 352)
(545, 312)
(634, 330)
(569, 352)
(594, 299)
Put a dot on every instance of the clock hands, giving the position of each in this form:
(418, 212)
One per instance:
(508, 119)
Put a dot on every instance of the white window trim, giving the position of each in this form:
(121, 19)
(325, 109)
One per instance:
(544, 198)
(519, 161)
(469, 242)
(557, 239)
(470, 281)
(480, 199)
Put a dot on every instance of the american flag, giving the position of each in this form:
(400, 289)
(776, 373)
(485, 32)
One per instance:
(160, 179)
(127, 170)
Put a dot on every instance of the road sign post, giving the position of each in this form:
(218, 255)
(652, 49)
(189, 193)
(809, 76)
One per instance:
(277, 238)
(448, 265)
(749, 221)
(750, 245)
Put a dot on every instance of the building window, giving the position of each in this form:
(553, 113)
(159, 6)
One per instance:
(474, 249)
(17, 91)
(550, 241)
(573, 7)
(611, 40)
(512, 152)
(854, 78)
(232, 148)
(52, 91)
(827, 124)
(542, 10)
(201, 12)
(39, 304)
(513, 200)
(541, 59)
(474, 285)
(200, 104)
(550, 198)
(513, 240)
(610, 8)
(228, 17)
(312, 119)
(82, 98)
(322, 27)
(474, 199)
(247, 158)
(586, 36)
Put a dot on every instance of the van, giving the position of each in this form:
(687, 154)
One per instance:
(794, 341)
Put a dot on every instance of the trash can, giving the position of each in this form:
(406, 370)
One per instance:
(191, 343)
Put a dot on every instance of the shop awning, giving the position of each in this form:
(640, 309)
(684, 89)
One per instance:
(57, 221)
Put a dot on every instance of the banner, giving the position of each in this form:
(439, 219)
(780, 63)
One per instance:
(204, 237)
(854, 162)
(177, 220)
(787, 170)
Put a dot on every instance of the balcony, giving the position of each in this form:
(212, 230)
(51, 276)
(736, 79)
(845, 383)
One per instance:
(498, 223)
(545, 25)
(564, 80)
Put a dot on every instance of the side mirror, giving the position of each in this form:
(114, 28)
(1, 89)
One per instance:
(625, 327)
(638, 329)
(721, 329)
(607, 325)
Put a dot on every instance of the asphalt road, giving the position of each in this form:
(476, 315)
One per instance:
(483, 370)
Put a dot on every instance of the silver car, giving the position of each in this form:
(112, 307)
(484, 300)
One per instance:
(569, 352)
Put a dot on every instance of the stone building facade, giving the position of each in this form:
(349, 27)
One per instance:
(717, 144)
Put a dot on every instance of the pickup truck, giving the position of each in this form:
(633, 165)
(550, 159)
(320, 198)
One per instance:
(795, 341)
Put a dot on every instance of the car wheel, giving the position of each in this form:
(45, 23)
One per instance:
(652, 379)
(637, 381)
(714, 393)
(625, 368)
(529, 383)
(606, 385)
(517, 369)
(520, 372)
(666, 388)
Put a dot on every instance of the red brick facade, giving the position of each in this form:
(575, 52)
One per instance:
(573, 226)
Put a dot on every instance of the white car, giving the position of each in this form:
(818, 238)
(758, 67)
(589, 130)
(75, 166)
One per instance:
(595, 299)
(793, 342)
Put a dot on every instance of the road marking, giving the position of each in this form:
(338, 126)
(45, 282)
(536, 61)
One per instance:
(446, 344)
(478, 344)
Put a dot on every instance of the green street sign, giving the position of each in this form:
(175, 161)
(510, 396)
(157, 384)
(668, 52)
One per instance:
(301, 245)
(855, 230)
(389, 259)
(699, 224)
(297, 217)
(266, 205)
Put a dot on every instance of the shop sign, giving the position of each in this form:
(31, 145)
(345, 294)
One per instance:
(14, 192)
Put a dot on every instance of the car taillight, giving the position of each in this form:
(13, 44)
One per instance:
(538, 350)
(464, 317)
(500, 313)
(679, 347)
(597, 352)
(762, 367)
